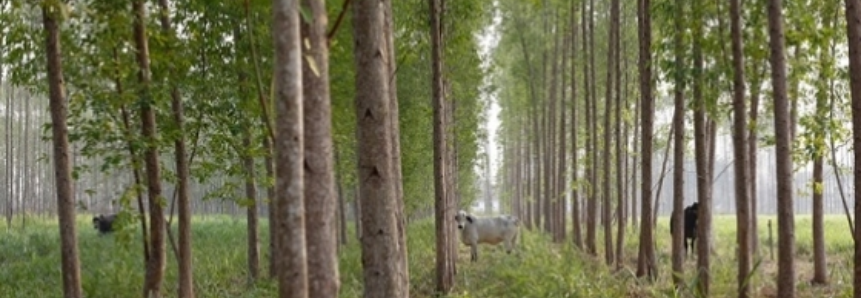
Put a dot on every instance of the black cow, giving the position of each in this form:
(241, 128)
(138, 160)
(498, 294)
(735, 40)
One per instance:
(691, 214)
(104, 223)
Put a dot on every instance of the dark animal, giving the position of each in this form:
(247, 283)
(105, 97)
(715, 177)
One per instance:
(104, 223)
(691, 214)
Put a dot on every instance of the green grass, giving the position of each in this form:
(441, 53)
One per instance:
(112, 266)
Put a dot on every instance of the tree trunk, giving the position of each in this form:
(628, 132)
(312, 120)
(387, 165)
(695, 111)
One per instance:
(268, 165)
(62, 166)
(380, 241)
(646, 262)
(388, 28)
(186, 285)
(289, 151)
(739, 130)
(591, 206)
(824, 89)
(782, 131)
(575, 191)
(251, 206)
(704, 218)
(156, 263)
(320, 197)
(608, 156)
(853, 33)
(442, 206)
(679, 245)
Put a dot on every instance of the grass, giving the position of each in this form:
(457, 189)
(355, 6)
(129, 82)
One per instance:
(112, 266)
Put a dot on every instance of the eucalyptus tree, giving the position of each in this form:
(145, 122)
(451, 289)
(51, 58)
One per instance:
(156, 263)
(739, 133)
(646, 260)
(52, 16)
(700, 156)
(379, 249)
(186, 286)
(853, 37)
(813, 136)
(608, 106)
(320, 201)
(575, 129)
(289, 150)
(782, 131)
(679, 247)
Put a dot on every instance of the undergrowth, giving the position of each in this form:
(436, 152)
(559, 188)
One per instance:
(112, 265)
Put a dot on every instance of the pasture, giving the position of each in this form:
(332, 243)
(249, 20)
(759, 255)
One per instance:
(112, 265)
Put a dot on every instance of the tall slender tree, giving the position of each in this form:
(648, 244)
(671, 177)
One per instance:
(608, 156)
(442, 202)
(186, 284)
(704, 218)
(51, 14)
(646, 261)
(739, 131)
(785, 212)
(377, 191)
(853, 34)
(679, 248)
(575, 192)
(156, 262)
(320, 196)
(289, 150)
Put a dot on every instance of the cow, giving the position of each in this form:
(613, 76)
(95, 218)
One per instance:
(691, 214)
(490, 230)
(104, 223)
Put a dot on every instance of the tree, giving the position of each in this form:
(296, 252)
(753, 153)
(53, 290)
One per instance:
(186, 285)
(155, 264)
(289, 150)
(704, 218)
(646, 260)
(575, 197)
(679, 248)
(320, 197)
(443, 207)
(380, 241)
(853, 36)
(608, 107)
(588, 84)
(52, 12)
(739, 130)
(785, 212)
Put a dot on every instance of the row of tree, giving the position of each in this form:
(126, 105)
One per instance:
(183, 93)
(706, 61)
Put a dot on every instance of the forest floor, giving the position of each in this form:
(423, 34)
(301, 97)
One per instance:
(112, 265)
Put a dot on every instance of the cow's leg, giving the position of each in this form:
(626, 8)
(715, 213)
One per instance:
(473, 253)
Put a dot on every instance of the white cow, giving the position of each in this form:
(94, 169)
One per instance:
(490, 230)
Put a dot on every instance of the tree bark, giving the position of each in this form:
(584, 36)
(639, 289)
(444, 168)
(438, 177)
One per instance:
(380, 241)
(782, 131)
(591, 205)
(575, 191)
(156, 263)
(442, 202)
(186, 285)
(251, 208)
(853, 34)
(704, 218)
(679, 247)
(400, 217)
(739, 130)
(608, 156)
(646, 262)
(70, 267)
(320, 197)
(289, 150)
